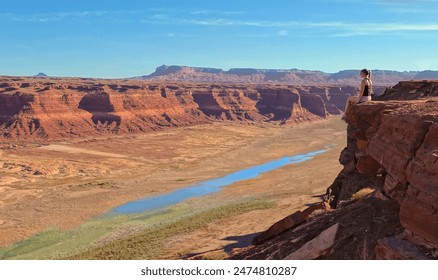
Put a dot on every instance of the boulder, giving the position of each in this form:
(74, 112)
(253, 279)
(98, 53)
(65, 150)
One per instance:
(287, 223)
(317, 247)
(395, 248)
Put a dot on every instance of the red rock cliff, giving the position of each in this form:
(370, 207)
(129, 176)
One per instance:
(395, 144)
(392, 148)
(54, 108)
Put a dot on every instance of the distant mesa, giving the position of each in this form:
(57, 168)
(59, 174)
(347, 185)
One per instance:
(292, 76)
(167, 70)
(40, 74)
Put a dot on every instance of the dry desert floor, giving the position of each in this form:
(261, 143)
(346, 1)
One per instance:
(50, 194)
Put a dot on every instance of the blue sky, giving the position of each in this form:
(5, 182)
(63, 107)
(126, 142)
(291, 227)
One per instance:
(109, 39)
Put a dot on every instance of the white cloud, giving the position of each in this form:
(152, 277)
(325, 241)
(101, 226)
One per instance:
(224, 18)
(216, 12)
(159, 14)
(52, 16)
(365, 29)
(398, 6)
(180, 35)
(352, 28)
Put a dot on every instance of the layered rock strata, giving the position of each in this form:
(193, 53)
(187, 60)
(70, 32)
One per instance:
(38, 109)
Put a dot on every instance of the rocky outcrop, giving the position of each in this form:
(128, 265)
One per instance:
(361, 225)
(410, 90)
(287, 223)
(392, 147)
(40, 109)
(400, 142)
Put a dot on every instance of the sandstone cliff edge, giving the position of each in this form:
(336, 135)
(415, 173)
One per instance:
(392, 159)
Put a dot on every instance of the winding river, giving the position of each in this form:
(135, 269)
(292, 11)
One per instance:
(210, 186)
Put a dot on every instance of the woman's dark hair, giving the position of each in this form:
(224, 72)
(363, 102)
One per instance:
(366, 72)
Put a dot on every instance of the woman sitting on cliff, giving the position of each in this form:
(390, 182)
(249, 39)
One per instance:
(364, 92)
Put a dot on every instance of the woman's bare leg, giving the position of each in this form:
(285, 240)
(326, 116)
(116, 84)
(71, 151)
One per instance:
(350, 100)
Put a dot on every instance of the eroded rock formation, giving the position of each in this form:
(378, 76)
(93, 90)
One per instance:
(34, 109)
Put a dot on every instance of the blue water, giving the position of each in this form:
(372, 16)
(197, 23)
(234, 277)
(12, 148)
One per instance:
(210, 186)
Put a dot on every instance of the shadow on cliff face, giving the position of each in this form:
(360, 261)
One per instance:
(11, 105)
(105, 118)
(99, 104)
(96, 102)
(277, 103)
(208, 104)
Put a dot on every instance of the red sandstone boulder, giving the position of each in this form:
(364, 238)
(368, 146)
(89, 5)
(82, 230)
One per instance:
(395, 248)
(288, 223)
(318, 247)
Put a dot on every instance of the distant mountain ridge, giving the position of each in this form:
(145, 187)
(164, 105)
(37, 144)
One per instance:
(175, 73)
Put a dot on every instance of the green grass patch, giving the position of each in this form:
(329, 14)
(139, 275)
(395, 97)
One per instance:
(99, 237)
(41, 240)
(149, 243)
(55, 243)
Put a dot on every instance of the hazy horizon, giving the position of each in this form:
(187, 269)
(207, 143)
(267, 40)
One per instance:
(113, 39)
(208, 67)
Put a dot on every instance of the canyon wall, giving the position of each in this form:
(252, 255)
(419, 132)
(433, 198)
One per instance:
(384, 203)
(34, 109)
